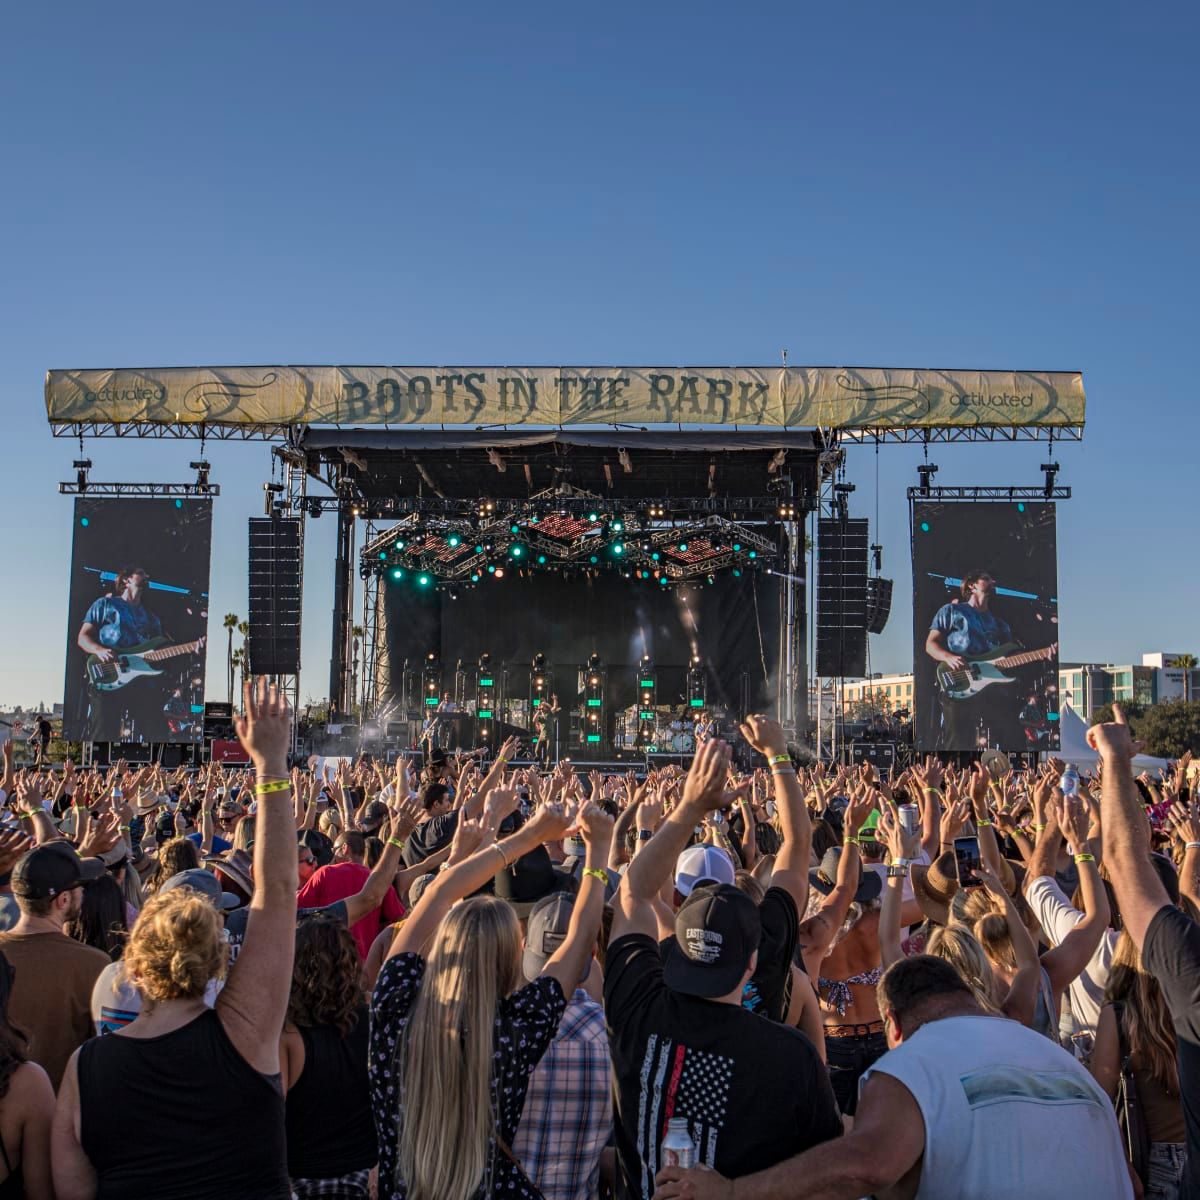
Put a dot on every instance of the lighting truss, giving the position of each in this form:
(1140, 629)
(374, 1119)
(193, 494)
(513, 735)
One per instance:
(74, 488)
(990, 492)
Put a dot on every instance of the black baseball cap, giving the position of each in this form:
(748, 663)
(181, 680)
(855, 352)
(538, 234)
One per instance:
(717, 929)
(373, 816)
(49, 870)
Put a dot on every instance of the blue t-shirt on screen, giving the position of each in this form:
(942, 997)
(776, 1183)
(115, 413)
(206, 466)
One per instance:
(970, 630)
(120, 624)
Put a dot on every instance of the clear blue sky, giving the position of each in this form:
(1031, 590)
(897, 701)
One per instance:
(875, 184)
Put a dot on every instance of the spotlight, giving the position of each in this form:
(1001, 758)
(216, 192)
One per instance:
(82, 467)
(516, 550)
(499, 572)
(202, 469)
(683, 547)
(926, 471)
(401, 543)
(593, 515)
(787, 511)
(1051, 472)
(618, 548)
(397, 572)
(453, 541)
(424, 580)
(616, 526)
(479, 548)
(541, 560)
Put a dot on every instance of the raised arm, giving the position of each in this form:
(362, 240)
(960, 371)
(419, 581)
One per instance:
(1073, 953)
(569, 963)
(1185, 821)
(374, 889)
(902, 849)
(652, 865)
(548, 824)
(254, 1001)
(1140, 893)
(791, 862)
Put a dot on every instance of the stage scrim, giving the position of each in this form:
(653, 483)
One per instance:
(795, 397)
(985, 597)
(139, 606)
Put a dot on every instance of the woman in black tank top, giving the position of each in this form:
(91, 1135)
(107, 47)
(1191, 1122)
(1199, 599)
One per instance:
(185, 1103)
(323, 1053)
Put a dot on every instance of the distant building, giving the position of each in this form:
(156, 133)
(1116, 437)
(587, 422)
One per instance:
(1090, 686)
(1086, 687)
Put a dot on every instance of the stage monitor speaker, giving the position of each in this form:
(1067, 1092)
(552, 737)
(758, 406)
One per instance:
(879, 603)
(841, 598)
(274, 640)
(881, 755)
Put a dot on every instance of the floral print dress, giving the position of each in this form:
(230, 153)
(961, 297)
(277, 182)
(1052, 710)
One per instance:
(525, 1026)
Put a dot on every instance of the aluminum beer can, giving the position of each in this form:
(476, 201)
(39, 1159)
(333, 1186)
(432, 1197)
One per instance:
(910, 818)
(678, 1149)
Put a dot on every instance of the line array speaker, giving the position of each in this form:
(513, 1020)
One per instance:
(274, 640)
(841, 597)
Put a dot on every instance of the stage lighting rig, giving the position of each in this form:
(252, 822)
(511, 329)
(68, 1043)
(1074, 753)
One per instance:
(1050, 470)
(593, 690)
(270, 491)
(697, 686)
(202, 469)
(431, 680)
(927, 471)
(82, 467)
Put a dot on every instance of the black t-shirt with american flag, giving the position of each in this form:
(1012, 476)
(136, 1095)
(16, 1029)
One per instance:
(755, 1092)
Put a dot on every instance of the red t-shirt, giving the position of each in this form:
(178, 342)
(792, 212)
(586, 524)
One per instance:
(339, 881)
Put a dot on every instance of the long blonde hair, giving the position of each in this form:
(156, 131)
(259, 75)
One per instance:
(961, 949)
(1144, 1016)
(448, 1118)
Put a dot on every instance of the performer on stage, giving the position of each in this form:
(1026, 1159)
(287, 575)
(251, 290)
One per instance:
(545, 729)
(114, 624)
(962, 633)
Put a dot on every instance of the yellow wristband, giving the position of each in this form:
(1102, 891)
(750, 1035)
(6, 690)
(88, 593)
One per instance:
(596, 873)
(1082, 858)
(395, 842)
(780, 758)
(982, 824)
(279, 785)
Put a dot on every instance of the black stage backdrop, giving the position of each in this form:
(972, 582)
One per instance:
(171, 540)
(1016, 544)
(514, 618)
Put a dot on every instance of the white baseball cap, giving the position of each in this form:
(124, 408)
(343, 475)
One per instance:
(702, 864)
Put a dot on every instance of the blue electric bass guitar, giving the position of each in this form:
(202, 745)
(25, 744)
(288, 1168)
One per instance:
(982, 670)
(134, 663)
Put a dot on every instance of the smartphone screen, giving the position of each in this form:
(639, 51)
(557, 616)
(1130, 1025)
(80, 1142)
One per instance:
(967, 860)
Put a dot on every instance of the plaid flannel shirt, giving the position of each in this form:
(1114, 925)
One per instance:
(568, 1108)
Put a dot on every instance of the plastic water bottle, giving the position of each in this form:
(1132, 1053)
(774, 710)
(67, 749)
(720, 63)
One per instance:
(1069, 781)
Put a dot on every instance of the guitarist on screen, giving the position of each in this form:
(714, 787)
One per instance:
(113, 623)
(960, 632)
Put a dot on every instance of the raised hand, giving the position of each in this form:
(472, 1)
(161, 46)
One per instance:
(264, 727)
(405, 815)
(764, 735)
(704, 788)
(1113, 740)
(500, 804)
(552, 821)
(862, 801)
(596, 828)
(1072, 819)
(953, 819)
(1184, 820)
(901, 846)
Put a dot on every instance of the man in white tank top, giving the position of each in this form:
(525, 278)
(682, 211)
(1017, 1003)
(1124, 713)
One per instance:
(963, 1106)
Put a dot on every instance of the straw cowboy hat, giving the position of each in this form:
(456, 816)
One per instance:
(936, 885)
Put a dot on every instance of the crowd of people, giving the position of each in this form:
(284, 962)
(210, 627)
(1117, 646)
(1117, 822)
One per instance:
(458, 979)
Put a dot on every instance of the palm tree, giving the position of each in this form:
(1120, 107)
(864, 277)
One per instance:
(231, 623)
(244, 629)
(1187, 663)
(238, 659)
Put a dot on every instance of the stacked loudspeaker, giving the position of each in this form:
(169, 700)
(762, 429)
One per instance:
(274, 639)
(841, 597)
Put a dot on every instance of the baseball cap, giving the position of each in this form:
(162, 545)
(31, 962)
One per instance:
(51, 869)
(546, 930)
(702, 864)
(204, 882)
(717, 929)
(824, 878)
(373, 816)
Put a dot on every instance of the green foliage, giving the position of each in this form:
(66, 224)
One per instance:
(1167, 730)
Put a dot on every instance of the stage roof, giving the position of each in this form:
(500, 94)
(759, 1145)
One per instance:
(624, 464)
